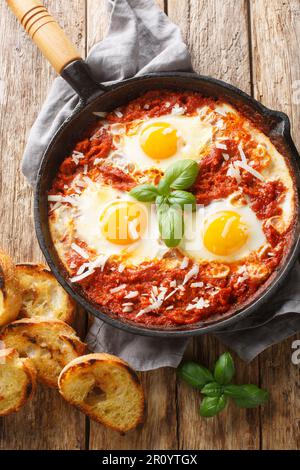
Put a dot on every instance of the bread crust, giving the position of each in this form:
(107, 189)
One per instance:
(113, 380)
(42, 295)
(17, 381)
(50, 344)
(10, 296)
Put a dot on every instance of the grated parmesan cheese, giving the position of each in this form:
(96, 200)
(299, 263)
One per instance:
(82, 269)
(184, 263)
(251, 170)
(155, 304)
(76, 156)
(234, 172)
(221, 146)
(57, 198)
(242, 153)
(131, 294)
(80, 251)
(200, 304)
(101, 114)
(222, 112)
(118, 113)
(197, 284)
(177, 110)
(118, 288)
(192, 272)
(127, 309)
(155, 290)
(82, 276)
(220, 124)
(91, 266)
(121, 268)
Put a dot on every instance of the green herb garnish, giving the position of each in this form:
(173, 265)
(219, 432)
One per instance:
(170, 198)
(217, 389)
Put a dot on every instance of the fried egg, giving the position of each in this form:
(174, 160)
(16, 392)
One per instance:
(222, 231)
(111, 223)
(277, 169)
(159, 142)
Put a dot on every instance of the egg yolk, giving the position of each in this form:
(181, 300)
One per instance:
(159, 140)
(123, 222)
(225, 234)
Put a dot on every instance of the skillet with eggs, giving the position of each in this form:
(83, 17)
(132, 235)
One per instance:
(233, 240)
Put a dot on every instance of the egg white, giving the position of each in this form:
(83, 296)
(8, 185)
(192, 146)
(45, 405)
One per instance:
(82, 222)
(193, 136)
(193, 245)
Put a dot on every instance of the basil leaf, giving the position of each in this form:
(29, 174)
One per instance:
(182, 198)
(163, 187)
(171, 225)
(194, 374)
(212, 389)
(160, 201)
(246, 396)
(144, 193)
(211, 406)
(224, 369)
(181, 175)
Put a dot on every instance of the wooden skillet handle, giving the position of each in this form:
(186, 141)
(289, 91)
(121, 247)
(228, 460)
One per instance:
(45, 32)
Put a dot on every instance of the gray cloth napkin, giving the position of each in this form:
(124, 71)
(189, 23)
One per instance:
(141, 39)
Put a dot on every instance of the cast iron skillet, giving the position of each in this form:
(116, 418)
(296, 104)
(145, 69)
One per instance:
(96, 97)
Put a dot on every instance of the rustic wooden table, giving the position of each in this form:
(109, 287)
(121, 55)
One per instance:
(254, 44)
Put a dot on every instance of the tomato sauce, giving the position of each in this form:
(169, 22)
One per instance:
(212, 183)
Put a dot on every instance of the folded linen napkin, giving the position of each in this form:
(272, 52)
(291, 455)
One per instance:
(140, 40)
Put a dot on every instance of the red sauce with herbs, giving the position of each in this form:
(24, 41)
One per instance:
(212, 183)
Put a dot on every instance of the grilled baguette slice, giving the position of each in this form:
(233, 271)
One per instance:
(42, 295)
(106, 389)
(10, 297)
(50, 344)
(17, 381)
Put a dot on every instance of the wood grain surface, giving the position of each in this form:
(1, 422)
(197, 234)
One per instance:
(253, 44)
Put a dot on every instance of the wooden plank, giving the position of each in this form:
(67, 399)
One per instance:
(276, 69)
(217, 35)
(159, 431)
(48, 422)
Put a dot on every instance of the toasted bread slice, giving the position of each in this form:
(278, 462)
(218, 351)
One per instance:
(105, 388)
(50, 344)
(42, 295)
(17, 381)
(10, 297)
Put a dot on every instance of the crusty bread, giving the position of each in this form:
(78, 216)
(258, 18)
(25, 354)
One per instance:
(50, 344)
(105, 388)
(17, 381)
(10, 297)
(42, 295)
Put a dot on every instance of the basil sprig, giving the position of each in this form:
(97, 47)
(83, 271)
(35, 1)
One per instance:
(170, 198)
(195, 375)
(217, 389)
